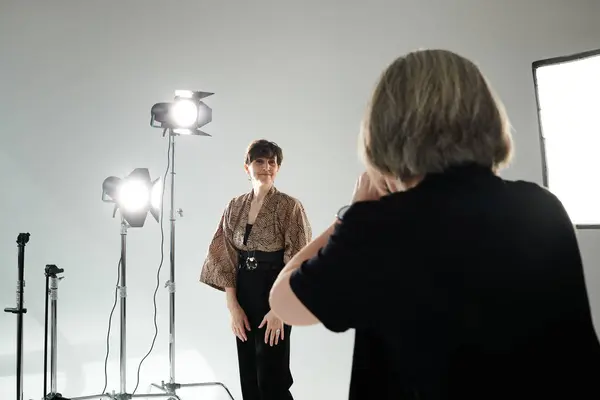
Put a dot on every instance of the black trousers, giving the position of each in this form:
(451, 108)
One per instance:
(264, 369)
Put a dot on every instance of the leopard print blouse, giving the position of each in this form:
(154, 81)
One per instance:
(280, 224)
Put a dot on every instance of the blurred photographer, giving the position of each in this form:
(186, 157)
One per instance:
(459, 284)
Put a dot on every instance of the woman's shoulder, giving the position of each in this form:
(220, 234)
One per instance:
(239, 200)
(287, 199)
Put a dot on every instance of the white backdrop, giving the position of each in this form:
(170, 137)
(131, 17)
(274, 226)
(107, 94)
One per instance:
(78, 80)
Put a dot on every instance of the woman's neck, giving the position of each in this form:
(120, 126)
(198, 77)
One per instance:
(260, 192)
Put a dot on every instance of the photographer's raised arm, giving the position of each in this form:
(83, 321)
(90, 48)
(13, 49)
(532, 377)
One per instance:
(284, 302)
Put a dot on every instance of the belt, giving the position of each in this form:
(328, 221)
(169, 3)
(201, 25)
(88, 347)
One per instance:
(260, 260)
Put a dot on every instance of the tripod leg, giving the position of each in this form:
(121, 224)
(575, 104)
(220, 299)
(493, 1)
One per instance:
(94, 397)
(158, 386)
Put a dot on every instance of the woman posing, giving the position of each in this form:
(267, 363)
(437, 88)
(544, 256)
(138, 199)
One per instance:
(259, 232)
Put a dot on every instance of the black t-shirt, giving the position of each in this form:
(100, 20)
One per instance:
(466, 287)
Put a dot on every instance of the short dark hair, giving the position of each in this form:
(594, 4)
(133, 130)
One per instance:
(263, 148)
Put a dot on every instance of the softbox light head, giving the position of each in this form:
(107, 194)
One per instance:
(185, 115)
(134, 196)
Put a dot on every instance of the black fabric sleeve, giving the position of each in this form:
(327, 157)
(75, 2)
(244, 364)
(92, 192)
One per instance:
(336, 285)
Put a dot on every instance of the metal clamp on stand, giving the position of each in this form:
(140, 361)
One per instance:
(19, 310)
(51, 271)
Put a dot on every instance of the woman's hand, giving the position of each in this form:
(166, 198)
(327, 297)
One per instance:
(274, 329)
(239, 322)
(365, 189)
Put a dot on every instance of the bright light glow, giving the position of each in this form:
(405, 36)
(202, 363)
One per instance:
(184, 113)
(569, 108)
(133, 195)
(156, 195)
(182, 131)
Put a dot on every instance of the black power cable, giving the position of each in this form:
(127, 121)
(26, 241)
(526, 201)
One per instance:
(162, 257)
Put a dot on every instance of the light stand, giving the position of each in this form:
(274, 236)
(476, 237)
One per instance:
(133, 196)
(52, 279)
(123, 395)
(172, 386)
(185, 116)
(22, 240)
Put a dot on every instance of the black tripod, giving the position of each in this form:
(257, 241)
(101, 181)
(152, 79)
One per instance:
(52, 280)
(22, 240)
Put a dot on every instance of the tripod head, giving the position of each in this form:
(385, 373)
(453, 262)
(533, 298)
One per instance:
(51, 270)
(23, 239)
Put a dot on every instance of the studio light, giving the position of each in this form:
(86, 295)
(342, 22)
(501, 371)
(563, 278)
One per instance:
(134, 196)
(566, 89)
(185, 115)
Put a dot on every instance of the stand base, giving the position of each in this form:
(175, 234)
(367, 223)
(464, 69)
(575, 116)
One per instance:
(170, 388)
(127, 396)
(55, 396)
